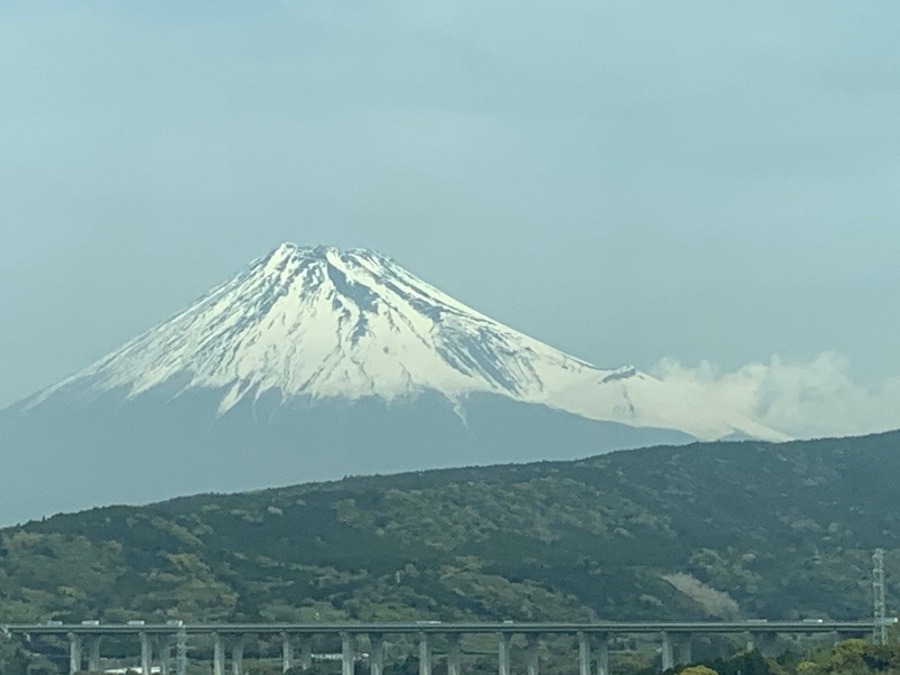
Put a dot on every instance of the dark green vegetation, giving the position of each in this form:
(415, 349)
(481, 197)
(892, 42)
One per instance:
(849, 657)
(704, 531)
(714, 530)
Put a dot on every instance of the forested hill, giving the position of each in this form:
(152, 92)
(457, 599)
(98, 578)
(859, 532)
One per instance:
(710, 530)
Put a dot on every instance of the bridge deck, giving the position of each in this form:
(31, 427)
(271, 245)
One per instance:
(432, 627)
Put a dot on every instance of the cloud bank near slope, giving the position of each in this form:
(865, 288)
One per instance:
(808, 399)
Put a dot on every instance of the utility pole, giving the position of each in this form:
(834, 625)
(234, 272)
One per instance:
(880, 630)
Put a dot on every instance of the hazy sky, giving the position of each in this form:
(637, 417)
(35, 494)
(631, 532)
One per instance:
(690, 187)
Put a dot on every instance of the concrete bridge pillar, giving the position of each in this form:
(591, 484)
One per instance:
(348, 654)
(287, 653)
(305, 643)
(75, 656)
(94, 653)
(376, 656)
(454, 655)
(181, 652)
(164, 653)
(532, 654)
(668, 658)
(218, 654)
(503, 665)
(146, 653)
(237, 655)
(584, 654)
(602, 654)
(425, 654)
(683, 649)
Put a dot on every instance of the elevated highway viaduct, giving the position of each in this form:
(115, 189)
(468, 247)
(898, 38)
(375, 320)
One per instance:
(158, 640)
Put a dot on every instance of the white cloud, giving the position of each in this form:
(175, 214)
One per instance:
(802, 399)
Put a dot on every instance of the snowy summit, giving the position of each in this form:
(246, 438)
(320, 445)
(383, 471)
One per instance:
(325, 323)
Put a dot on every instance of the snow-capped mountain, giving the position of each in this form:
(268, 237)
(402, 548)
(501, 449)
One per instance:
(314, 363)
(321, 322)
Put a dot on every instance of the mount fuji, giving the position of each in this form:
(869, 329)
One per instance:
(315, 363)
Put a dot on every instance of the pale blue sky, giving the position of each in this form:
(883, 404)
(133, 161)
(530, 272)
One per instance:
(627, 181)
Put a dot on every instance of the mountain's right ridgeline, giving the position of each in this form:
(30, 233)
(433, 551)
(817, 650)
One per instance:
(316, 363)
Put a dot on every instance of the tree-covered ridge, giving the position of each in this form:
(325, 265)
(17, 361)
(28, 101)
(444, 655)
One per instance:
(708, 530)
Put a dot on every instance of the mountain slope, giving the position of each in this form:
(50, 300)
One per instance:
(711, 530)
(316, 363)
(323, 323)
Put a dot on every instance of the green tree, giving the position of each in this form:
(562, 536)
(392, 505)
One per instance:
(13, 659)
